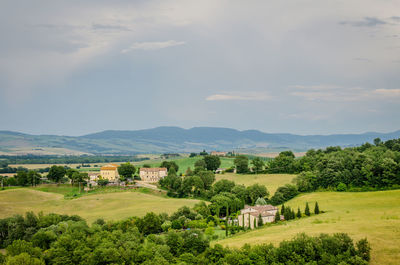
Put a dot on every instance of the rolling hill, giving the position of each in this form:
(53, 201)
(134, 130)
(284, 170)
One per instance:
(175, 139)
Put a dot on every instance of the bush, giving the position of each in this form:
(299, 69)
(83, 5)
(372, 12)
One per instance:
(341, 187)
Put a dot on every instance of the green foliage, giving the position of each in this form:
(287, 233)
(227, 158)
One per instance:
(56, 173)
(260, 201)
(258, 165)
(126, 170)
(211, 162)
(169, 165)
(242, 164)
(316, 208)
(283, 194)
(341, 187)
(298, 215)
(307, 210)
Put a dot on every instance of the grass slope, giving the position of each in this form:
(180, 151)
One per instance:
(374, 215)
(110, 206)
(271, 181)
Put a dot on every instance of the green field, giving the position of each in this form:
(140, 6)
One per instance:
(374, 215)
(186, 162)
(271, 181)
(110, 206)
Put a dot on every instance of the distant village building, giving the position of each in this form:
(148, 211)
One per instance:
(220, 170)
(93, 177)
(152, 174)
(250, 214)
(110, 172)
(215, 153)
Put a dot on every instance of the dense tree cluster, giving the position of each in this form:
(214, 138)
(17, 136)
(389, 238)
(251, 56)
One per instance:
(59, 239)
(52, 159)
(363, 168)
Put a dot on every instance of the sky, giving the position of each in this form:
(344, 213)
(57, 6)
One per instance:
(304, 67)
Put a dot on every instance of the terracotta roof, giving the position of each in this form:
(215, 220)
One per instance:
(153, 169)
(109, 167)
(261, 207)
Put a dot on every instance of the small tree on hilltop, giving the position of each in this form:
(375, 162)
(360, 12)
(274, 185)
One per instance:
(307, 210)
(298, 213)
(316, 208)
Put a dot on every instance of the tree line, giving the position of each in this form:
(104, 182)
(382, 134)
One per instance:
(61, 239)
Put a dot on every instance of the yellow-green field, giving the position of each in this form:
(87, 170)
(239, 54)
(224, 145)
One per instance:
(110, 206)
(374, 215)
(271, 181)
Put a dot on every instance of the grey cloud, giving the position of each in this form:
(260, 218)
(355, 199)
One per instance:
(396, 18)
(110, 27)
(365, 22)
(361, 59)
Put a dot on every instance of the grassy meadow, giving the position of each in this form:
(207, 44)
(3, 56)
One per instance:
(110, 206)
(374, 215)
(271, 181)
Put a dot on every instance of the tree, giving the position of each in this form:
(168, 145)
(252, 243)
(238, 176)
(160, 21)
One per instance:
(307, 210)
(56, 173)
(298, 213)
(126, 170)
(223, 185)
(377, 141)
(212, 162)
(33, 177)
(22, 178)
(258, 164)
(256, 191)
(207, 177)
(260, 221)
(260, 201)
(316, 208)
(242, 164)
(169, 165)
(277, 216)
(282, 209)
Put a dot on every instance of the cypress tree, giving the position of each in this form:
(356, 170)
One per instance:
(293, 214)
(260, 221)
(298, 213)
(316, 208)
(243, 221)
(307, 210)
(277, 216)
(283, 209)
(255, 222)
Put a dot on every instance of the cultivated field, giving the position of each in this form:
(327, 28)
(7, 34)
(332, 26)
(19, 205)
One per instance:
(271, 181)
(374, 215)
(110, 206)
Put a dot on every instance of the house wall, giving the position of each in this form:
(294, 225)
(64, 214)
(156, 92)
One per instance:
(152, 176)
(111, 175)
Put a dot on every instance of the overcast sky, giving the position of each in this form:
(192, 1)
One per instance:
(304, 67)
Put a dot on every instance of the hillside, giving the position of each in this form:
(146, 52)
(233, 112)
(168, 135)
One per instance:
(175, 139)
(371, 215)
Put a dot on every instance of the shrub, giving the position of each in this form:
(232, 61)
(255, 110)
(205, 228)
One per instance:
(341, 187)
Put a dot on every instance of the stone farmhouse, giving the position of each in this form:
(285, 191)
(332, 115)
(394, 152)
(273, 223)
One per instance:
(250, 214)
(110, 172)
(152, 174)
(215, 153)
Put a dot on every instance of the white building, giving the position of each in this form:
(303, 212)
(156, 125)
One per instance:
(250, 214)
(152, 174)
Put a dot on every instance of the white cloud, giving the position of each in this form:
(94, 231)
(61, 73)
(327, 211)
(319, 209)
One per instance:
(155, 45)
(243, 96)
(334, 93)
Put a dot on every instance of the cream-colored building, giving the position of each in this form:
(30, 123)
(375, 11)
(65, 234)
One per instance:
(152, 174)
(110, 172)
(250, 214)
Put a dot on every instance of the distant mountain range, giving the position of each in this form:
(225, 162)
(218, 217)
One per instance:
(175, 139)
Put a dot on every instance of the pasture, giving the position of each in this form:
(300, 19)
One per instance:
(271, 181)
(371, 215)
(110, 206)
